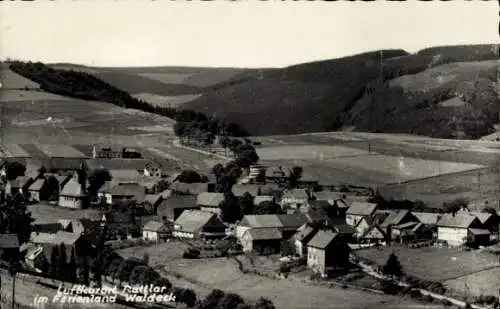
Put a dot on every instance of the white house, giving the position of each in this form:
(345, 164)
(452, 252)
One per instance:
(155, 231)
(294, 199)
(454, 228)
(73, 194)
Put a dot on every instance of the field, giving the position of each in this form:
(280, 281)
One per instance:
(14, 95)
(482, 283)
(11, 80)
(47, 213)
(437, 264)
(224, 274)
(307, 152)
(166, 101)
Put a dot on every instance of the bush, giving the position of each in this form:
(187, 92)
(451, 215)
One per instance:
(487, 299)
(445, 302)
(437, 288)
(191, 253)
(390, 287)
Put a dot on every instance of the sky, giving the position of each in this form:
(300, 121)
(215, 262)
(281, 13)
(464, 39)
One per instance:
(243, 33)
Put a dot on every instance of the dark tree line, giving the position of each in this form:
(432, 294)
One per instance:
(85, 86)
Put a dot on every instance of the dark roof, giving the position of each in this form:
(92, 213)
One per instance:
(316, 215)
(459, 220)
(427, 217)
(362, 208)
(191, 188)
(264, 234)
(292, 220)
(72, 188)
(56, 164)
(395, 218)
(9, 241)
(370, 230)
(327, 195)
(153, 198)
(20, 182)
(118, 217)
(479, 231)
(341, 227)
(305, 233)
(261, 221)
(153, 225)
(47, 227)
(263, 198)
(295, 194)
(322, 239)
(253, 189)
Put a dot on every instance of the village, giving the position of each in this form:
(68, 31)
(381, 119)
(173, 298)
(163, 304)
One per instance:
(83, 208)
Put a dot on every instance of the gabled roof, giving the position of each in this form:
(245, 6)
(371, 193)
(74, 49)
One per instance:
(20, 182)
(37, 185)
(125, 175)
(153, 198)
(9, 241)
(191, 188)
(264, 234)
(407, 225)
(395, 218)
(210, 199)
(295, 194)
(181, 201)
(341, 227)
(305, 233)
(153, 226)
(262, 198)
(374, 232)
(428, 218)
(72, 188)
(292, 221)
(319, 204)
(129, 189)
(322, 239)
(361, 209)
(118, 217)
(327, 195)
(459, 220)
(55, 239)
(261, 221)
(194, 220)
(482, 216)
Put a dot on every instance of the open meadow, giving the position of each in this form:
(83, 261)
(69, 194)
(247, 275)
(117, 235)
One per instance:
(223, 273)
(485, 282)
(436, 264)
(47, 213)
(11, 80)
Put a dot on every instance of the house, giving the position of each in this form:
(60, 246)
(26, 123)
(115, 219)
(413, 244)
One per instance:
(74, 193)
(156, 231)
(287, 224)
(211, 202)
(397, 222)
(18, 185)
(327, 251)
(59, 164)
(152, 201)
(263, 198)
(190, 188)
(358, 210)
(330, 196)
(304, 234)
(47, 187)
(262, 241)
(112, 193)
(46, 227)
(317, 216)
(75, 244)
(9, 246)
(374, 234)
(276, 174)
(363, 225)
(488, 220)
(457, 229)
(199, 224)
(339, 226)
(427, 218)
(173, 206)
(295, 199)
(78, 226)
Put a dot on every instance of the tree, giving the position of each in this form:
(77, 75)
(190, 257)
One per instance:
(54, 257)
(489, 210)
(179, 129)
(62, 263)
(189, 176)
(14, 169)
(268, 208)
(112, 269)
(41, 172)
(15, 218)
(230, 208)
(163, 282)
(136, 273)
(455, 205)
(85, 269)
(72, 268)
(392, 267)
(230, 301)
(148, 276)
(294, 175)
(287, 248)
(145, 258)
(188, 297)
(212, 300)
(246, 203)
(97, 179)
(264, 303)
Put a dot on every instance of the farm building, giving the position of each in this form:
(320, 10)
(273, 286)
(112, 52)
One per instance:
(262, 241)
(190, 188)
(277, 174)
(327, 252)
(374, 234)
(329, 196)
(46, 227)
(358, 210)
(304, 234)
(156, 231)
(199, 224)
(152, 201)
(458, 229)
(488, 220)
(74, 193)
(46, 188)
(144, 167)
(362, 226)
(209, 201)
(398, 223)
(18, 185)
(78, 226)
(74, 243)
(295, 199)
(427, 218)
(173, 206)
(125, 176)
(113, 193)
(9, 246)
(286, 224)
